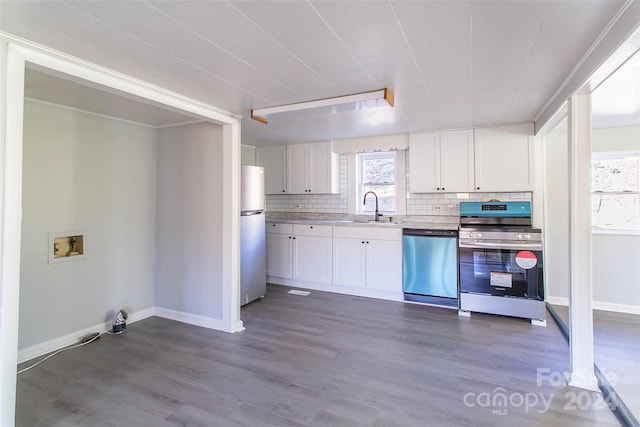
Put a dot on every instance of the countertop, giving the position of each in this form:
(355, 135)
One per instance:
(384, 223)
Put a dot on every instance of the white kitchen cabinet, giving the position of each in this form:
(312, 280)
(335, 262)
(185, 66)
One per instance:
(349, 261)
(274, 162)
(299, 252)
(384, 265)
(312, 168)
(442, 162)
(279, 250)
(312, 249)
(368, 257)
(504, 158)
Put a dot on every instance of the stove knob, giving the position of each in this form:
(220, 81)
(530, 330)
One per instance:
(479, 235)
(527, 236)
(471, 234)
(518, 236)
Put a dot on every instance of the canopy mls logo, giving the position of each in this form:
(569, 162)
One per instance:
(499, 400)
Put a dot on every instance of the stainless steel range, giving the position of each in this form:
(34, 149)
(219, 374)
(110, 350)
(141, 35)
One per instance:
(500, 260)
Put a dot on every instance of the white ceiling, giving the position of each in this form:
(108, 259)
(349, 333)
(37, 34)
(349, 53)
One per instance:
(450, 64)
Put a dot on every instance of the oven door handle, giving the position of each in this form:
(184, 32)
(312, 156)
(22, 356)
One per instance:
(502, 245)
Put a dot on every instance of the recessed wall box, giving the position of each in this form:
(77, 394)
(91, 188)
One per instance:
(68, 246)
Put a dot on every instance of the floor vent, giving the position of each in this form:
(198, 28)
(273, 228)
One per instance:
(297, 292)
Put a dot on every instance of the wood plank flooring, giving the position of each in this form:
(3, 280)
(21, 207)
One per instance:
(320, 360)
(616, 341)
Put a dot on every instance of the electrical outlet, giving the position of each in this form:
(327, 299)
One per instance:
(298, 206)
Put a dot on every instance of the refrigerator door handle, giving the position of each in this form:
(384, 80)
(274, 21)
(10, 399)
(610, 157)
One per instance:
(249, 213)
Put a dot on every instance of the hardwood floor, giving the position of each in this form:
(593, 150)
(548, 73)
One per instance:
(616, 340)
(320, 360)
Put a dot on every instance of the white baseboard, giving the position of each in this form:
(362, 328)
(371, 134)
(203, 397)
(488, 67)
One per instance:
(192, 319)
(618, 308)
(37, 350)
(599, 305)
(338, 289)
(558, 301)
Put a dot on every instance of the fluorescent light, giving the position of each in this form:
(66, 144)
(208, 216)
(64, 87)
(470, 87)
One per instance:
(355, 102)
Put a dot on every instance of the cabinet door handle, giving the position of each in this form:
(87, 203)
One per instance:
(289, 236)
(442, 188)
(311, 226)
(367, 242)
(438, 188)
(362, 242)
(283, 191)
(477, 188)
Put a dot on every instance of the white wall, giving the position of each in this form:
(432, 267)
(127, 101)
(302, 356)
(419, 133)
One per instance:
(189, 221)
(247, 155)
(616, 272)
(625, 138)
(556, 215)
(88, 173)
(615, 256)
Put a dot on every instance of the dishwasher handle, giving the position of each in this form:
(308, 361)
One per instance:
(419, 232)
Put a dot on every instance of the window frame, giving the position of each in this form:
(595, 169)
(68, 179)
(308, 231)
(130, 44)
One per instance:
(362, 157)
(355, 188)
(616, 155)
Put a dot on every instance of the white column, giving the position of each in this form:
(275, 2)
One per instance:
(581, 371)
(231, 232)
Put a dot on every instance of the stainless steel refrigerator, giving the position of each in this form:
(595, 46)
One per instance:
(253, 273)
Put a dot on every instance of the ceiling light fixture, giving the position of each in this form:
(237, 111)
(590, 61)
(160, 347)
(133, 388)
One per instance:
(355, 102)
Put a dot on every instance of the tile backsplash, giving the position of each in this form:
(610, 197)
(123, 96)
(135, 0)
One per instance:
(417, 204)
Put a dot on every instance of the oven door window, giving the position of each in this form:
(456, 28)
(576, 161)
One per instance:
(498, 272)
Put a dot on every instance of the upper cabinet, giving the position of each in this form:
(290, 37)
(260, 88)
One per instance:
(274, 162)
(312, 168)
(496, 159)
(504, 158)
(442, 162)
(299, 169)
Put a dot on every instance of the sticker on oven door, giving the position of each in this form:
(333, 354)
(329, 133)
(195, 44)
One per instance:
(526, 259)
(502, 280)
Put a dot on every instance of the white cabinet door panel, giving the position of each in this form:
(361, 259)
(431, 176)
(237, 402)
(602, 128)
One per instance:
(279, 255)
(319, 172)
(384, 265)
(312, 258)
(348, 261)
(424, 162)
(456, 161)
(297, 164)
(273, 160)
(504, 158)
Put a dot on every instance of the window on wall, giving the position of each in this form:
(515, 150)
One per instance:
(377, 172)
(615, 186)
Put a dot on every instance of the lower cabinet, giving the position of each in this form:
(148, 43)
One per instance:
(336, 258)
(368, 258)
(279, 244)
(312, 253)
(300, 252)
(384, 265)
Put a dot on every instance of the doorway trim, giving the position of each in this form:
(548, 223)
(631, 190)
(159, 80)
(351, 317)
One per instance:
(15, 54)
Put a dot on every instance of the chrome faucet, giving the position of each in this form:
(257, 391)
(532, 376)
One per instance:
(364, 202)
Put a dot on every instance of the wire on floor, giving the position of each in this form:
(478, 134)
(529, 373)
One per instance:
(63, 349)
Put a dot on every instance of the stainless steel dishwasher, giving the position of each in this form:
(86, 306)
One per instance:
(430, 266)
